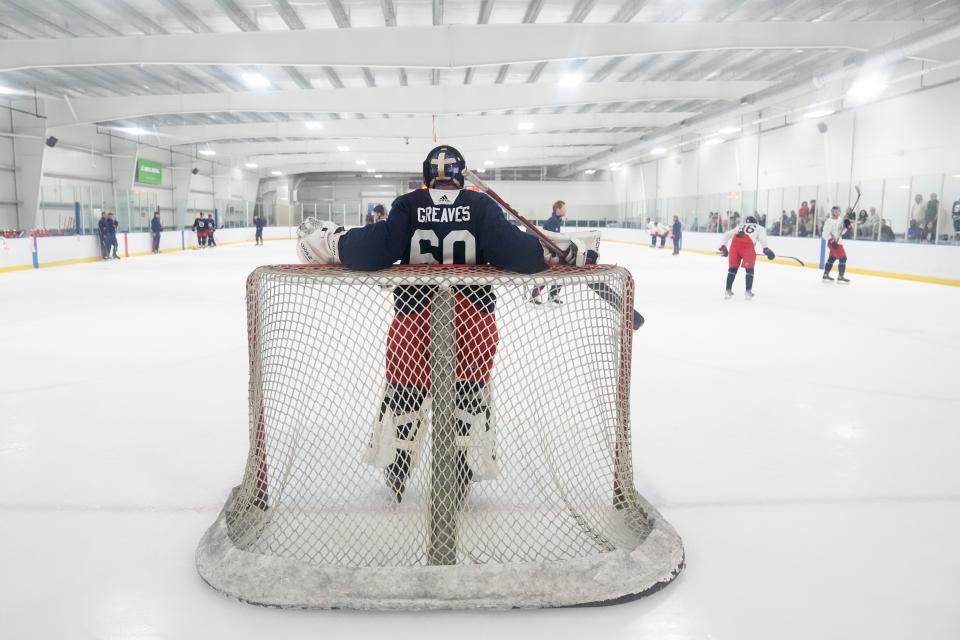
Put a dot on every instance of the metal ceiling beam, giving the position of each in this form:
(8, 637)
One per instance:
(298, 78)
(288, 14)
(237, 16)
(417, 127)
(139, 20)
(339, 12)
(581, 10)
(185, 16)
(396, 100)
(99, 27)
(36, 17)
(389, 13)
(462, 45)
(437, 12)
(628, 10)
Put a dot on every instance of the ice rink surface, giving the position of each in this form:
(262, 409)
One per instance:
(806, 445)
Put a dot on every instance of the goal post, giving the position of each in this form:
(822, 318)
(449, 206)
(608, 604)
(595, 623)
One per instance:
(507, 425)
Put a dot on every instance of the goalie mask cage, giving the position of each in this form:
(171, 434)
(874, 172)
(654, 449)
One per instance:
(534, 507)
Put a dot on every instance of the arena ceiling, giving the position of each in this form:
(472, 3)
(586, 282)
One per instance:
(328, 85)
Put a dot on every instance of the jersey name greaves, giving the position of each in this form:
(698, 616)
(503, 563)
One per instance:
(443, 214)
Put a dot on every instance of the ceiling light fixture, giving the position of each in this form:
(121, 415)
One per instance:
(818, 113)
(658, 151)
(5, 90)
(590, 172)
(867, 88)
(503, 148)
(313, 124)
(524, 126)
(488, 162)
(361, 162)
(726, 131)
(713, 141)
(342, 147)
(207, 152)
(379, 175)
(251, 165)
(255, 80)
(481, 170)
(371, 170)
(133, 131)
(570, 80)
(276, 173)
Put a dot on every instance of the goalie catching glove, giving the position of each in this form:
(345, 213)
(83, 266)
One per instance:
(581, 248)
(318, 242)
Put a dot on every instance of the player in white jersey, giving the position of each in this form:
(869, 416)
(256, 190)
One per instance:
(833, 229)
(664, 232)
(652, 230)
(742, 251)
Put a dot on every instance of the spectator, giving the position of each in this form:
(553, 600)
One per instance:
(870, 227)
(886, 231)
(791, 223)
(258, 223)
(155, 230)
(813, 213)
(553, 225)
(919, 210)
(112, 227)
(930, 218)
(955, 214)
(862, 216)
(804, 212)
(914, 232)
(379, 213)
(104, 234)
(211, 227)
(369, 218)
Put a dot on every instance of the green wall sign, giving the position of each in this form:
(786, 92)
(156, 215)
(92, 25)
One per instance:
(149, 172)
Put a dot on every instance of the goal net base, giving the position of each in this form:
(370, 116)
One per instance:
(511, 427)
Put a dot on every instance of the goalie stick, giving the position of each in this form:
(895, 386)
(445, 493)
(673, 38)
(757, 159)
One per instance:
(606, 294)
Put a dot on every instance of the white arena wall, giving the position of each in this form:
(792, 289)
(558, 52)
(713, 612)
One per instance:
(16, 254)
(926, 263)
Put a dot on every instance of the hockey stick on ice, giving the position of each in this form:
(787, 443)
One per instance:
(606, 294)
(797, 260)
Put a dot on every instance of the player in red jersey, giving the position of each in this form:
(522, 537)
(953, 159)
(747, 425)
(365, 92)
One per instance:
(742, 251)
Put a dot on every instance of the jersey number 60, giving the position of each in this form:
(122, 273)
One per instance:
(420, 256)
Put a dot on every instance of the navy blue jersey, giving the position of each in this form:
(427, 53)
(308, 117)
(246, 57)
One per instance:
(104, 226)
(436, 226)
(155, 225)
(258, 222)
(553, 223)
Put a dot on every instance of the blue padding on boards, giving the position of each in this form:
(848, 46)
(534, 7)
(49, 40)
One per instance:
(183, 239)
(823, 253)
(216, 218)
(36, 254)
(76, 217)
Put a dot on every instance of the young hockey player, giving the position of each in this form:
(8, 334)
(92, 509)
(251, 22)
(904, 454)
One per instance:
(440, 224)
(200, 227)
(552, 224)
(742, 251)
(833, 230)
(652, 230)
(663, 232)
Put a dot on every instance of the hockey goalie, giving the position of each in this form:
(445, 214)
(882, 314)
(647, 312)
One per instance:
(441, 223)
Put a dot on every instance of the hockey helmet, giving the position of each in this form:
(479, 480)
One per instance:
(444, 167)
(751, 219)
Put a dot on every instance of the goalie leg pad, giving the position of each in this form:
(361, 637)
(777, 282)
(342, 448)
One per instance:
(408, 349)
(476, 430)
(476, 338)
(399, 433)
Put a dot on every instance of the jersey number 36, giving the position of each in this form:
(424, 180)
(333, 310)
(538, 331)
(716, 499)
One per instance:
(459, 247)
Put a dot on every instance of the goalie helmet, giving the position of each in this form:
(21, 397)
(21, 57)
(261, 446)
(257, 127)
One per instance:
(444, 167)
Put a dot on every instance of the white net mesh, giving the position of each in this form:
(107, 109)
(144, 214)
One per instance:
(419, 432)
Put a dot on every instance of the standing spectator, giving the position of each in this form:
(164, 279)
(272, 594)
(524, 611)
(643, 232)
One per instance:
(369, 218)
(870, 226)
(379, 213)
(155, 230)
(102, 231)
(930, 218)
(112, 227)
(258, 223)
(677, 231)
(886, 231)
(813, 211)
(919, 210)
(955, 214)
(803, 212)
(211, 227)
(200, 228)
(552, 224)
(791, 224)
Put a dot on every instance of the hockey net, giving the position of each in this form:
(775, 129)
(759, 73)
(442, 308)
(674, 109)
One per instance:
(483, 460)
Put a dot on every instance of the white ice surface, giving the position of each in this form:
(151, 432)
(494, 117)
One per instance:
(806, 445)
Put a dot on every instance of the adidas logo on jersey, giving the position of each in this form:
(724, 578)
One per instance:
(444, 198)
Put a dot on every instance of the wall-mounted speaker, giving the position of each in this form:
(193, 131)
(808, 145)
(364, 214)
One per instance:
(195, 171)
(822, 127)
(52, 142)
